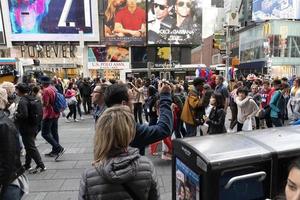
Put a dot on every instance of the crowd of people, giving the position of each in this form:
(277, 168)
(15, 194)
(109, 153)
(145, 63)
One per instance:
(128, 118)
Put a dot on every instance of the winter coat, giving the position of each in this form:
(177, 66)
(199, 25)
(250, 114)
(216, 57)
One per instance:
(22, 115)
(192, 103)
(247, 108)
(9, 151)
(106, 181)
(216, 121)
(85, 90)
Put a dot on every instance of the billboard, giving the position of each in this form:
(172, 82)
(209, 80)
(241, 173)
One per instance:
(44, 20)
(275, 9)
(124, 22)
(175, 22)
(2, 36)
(108, 54)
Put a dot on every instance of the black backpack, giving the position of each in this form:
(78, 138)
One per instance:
(35, 111)
(281, 105)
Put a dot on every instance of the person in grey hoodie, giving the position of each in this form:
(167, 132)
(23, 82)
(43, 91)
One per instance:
(247, 108)
(118, 171)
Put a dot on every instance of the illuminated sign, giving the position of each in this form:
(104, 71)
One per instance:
(177, 22)
(44, 20)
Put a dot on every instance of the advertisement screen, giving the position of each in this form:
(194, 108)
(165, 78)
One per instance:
(163, 55)
(108, 54)
(44, 20)
(174, 22)
(2, 39)
(275, 9)
(124, 22)
(187, 183)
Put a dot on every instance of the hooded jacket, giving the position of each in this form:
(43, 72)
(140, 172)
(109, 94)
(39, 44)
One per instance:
(106, 181)
(247, 108)
(9, 153)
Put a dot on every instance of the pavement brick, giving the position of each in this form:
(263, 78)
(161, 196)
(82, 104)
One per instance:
(67, 174)
(62, 196)
(45, 185)
(71, 184)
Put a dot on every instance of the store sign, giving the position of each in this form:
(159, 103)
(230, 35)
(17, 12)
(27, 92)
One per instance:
(108, 65)
(48, 51)
(45, 20)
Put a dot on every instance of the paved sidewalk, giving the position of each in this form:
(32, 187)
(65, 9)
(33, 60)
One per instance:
(61, 180)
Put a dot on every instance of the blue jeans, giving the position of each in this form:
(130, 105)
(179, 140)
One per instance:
(191, 130)
(11, 192)
(277, 122)
(50, 133)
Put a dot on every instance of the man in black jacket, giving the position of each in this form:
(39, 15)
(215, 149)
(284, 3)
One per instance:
(28, 127)
(86, 91)
(10, 163)
(117, 94)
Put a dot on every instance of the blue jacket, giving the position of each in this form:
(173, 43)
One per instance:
(273, 104)
(146, 135)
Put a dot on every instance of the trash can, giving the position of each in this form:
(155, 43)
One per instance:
(284, 143)
(227, 166)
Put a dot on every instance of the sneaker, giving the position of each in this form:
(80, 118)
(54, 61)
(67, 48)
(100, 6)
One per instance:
(27, 167)
(38, 169)
(67, 120)
(51, 154)
(81, 118)
(60, 154)
(76, 120)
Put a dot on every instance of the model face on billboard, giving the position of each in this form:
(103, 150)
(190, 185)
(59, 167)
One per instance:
(27, 15)
(183, 7)
(161, 9)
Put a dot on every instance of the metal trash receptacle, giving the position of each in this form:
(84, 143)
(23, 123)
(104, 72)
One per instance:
(284, 143)
(227, 166)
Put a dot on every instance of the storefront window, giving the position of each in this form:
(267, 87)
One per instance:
(252, 51)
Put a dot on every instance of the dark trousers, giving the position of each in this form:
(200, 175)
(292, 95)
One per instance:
(28, 138)
(179, 131)
(146, 113)
(277, 122)
(191, 130)
(239, 127)
(11, 192)
(269, 121)
(72, 109)
(257, 121)
(50, 133)
(234, 112)
(138, 109)
(87, 104)
(78, 106)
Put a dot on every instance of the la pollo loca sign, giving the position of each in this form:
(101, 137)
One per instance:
(48, 51)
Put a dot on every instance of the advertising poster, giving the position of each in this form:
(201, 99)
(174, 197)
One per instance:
(2, 37)
(275, 9)
(187, 182)
(163, 55)
(109, 54)
(48, 20)
(124, 22)
(175, 22)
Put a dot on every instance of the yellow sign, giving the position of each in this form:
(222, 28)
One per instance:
(267, 29)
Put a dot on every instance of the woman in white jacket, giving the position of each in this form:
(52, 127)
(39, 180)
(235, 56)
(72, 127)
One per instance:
(247, 108)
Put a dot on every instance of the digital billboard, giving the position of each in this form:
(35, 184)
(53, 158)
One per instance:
(2, 36)
(124, 22)
(275, 9)
(175, 22)
(108, 54)
(60, 20)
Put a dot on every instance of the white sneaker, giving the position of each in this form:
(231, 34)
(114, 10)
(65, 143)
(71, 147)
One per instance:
(76, 120)
(67, 120)
(81, 118)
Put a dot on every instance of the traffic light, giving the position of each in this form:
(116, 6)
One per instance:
(216, 44)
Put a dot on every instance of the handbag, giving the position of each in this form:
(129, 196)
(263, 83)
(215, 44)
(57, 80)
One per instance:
(72, 100)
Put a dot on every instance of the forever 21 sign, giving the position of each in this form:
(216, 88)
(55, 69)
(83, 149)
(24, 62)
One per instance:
(48, 51)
